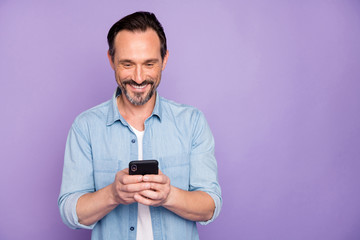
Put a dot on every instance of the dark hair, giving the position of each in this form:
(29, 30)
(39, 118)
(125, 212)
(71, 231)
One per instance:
(138, 21)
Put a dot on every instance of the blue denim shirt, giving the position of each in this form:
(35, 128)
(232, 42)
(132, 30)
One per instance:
(101, 142)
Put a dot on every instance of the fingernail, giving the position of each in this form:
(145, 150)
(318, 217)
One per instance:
(146, 178)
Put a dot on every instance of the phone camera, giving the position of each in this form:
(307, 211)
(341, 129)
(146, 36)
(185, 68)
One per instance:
(133, 168)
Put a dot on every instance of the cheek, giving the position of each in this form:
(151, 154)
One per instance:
(123, 74)
(155, 73)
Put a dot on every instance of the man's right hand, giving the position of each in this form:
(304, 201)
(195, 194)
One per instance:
(125, 186)
(92, 207)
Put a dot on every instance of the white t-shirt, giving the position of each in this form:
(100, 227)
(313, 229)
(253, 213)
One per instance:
(144, 226)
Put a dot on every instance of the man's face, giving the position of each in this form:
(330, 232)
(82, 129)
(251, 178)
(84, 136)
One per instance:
(138, 64)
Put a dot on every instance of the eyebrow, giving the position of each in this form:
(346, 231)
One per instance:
(125, 61)
(151, 60)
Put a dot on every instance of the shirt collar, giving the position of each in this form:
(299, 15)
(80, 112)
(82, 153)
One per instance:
(114, 115)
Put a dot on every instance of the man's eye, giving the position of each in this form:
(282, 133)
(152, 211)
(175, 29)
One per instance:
(150, 64)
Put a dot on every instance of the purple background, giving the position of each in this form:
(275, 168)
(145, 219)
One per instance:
(277, 80)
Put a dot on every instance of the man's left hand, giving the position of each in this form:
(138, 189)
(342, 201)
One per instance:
(159, 190)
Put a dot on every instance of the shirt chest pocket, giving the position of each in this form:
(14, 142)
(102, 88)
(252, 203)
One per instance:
(105, 171)
(176, 167)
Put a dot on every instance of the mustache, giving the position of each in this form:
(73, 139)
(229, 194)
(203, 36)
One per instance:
(132, 82)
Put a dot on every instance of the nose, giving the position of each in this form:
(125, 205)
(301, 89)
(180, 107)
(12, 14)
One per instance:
(138, 75)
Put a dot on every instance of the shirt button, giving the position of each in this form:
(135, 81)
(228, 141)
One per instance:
(132, 228)
(133, 140)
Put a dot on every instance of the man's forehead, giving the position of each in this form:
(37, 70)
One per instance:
(149, 33)
(138, 45)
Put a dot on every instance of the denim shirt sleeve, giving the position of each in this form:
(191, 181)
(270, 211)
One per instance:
(77, 175)
(203, 166)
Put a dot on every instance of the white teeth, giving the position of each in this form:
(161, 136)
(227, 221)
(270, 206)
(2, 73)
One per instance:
(138, 87)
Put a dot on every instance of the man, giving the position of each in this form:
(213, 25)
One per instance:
(97, 191)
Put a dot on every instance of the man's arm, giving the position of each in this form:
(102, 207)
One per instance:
(79, 204)
(195, 206)
(91, 207)
(191, 205)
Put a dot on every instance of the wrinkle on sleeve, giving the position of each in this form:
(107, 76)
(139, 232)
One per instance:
(77, 176)
(203, 166)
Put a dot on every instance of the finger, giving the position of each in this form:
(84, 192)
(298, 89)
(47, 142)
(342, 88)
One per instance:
(157, 186)
(130, 179)
(150, 194)
(127, 197)
(124, 197)
(156, 178)
(133, 188)
(145, 201)
(124, 177)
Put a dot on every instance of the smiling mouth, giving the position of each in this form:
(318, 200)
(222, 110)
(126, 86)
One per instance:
(135, 85)
(139, 86)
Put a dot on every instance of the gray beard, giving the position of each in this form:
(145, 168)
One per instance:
(139, 101)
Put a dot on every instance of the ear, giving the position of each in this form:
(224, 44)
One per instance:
(110, 60)
(165, 60)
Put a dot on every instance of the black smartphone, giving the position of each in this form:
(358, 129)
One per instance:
(142, 167)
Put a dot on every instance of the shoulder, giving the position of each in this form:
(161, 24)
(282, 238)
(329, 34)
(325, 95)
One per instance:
(187, 119)
(97, 114)
(177, 110)
(181, 114)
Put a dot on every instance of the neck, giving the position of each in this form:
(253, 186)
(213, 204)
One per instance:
(133, 114)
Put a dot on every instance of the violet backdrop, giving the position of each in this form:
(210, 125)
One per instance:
(277, 80)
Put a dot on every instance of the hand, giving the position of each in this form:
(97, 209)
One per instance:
(158, 192)
(125, 186)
